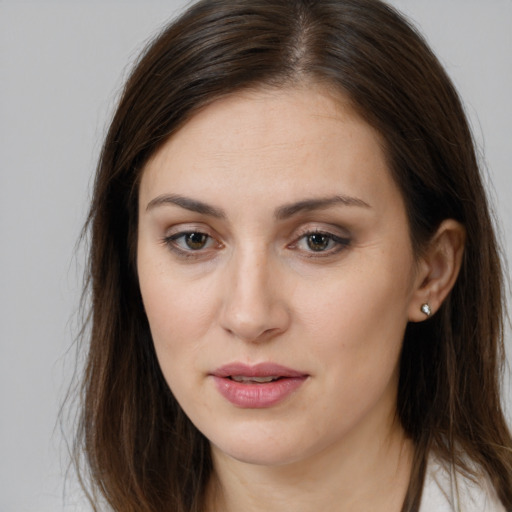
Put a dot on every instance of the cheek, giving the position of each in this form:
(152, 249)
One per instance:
(358, 320)
(178, 321)
(178, 315)
(357, 338)
(361, 299)
(179, 310)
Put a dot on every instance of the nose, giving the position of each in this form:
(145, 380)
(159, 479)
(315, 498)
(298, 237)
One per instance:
(253, 307)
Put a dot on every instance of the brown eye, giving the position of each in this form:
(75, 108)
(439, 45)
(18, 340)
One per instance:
(190, 242)
(318, 242)
(195, 241)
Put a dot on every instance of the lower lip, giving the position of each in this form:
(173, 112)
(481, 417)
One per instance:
(258, 395)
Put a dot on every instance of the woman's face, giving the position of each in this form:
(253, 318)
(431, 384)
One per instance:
(277, 274)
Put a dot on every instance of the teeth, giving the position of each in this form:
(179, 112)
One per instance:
(241, 378)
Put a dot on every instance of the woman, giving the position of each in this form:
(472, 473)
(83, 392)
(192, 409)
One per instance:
(296, 292)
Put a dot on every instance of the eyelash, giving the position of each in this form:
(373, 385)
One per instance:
(340, 243)
(171, 242)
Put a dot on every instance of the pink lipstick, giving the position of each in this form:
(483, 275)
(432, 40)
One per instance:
(258, 386)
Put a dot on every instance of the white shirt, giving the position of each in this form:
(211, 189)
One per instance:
(441, 490)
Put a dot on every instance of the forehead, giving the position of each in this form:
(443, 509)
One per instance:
(288, 139)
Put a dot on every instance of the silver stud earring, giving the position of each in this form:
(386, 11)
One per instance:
(425, 308)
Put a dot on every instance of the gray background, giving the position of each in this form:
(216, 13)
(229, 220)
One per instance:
(62, 64)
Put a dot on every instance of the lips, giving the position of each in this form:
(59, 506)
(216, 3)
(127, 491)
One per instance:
(258, 386)
(253, 380)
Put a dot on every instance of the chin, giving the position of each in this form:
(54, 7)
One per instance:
(258, 456)
(255, 446)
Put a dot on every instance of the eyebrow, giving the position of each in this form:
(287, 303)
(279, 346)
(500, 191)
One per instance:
(283, 212)
(188, 204)
(307, 205)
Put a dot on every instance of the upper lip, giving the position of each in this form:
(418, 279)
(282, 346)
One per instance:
(256, 370)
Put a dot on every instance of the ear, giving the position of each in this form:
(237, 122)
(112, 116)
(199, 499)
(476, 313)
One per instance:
(438, 269)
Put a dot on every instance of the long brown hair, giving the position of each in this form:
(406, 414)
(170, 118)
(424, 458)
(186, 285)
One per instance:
(141, 451)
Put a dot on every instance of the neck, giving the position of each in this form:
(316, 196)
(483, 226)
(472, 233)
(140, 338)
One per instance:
(360, 475)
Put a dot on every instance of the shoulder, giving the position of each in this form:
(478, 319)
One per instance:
(447, 490)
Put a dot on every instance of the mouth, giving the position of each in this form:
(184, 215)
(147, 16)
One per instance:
(258, 386)
(254, 380)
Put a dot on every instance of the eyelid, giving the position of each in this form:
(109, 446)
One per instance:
(187, 227)
(338, 235)
(331, 230)
(176, 232)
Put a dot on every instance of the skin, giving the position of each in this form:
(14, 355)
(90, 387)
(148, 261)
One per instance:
(251, 289)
